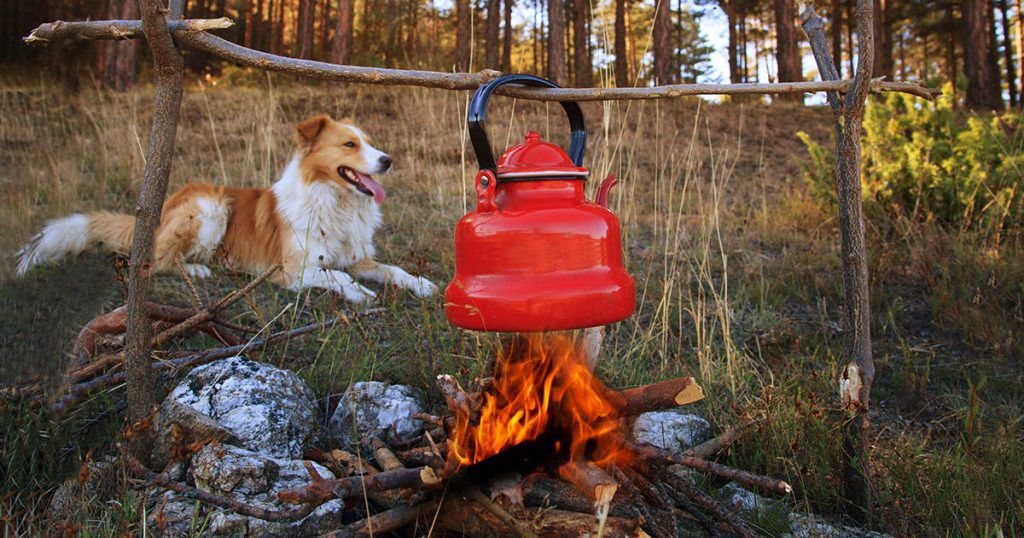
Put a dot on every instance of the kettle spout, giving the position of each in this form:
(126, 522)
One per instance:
(604, 189)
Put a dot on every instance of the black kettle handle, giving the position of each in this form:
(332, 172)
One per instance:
(477, 118)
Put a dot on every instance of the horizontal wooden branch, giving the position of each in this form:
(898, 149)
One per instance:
(70, 32)
(238, 54)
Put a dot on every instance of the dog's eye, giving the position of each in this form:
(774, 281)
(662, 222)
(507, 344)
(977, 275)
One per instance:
(350, 144)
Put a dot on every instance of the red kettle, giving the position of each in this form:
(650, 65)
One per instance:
(535, 255)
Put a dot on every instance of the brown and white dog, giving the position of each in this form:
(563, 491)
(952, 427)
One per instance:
(317, 221)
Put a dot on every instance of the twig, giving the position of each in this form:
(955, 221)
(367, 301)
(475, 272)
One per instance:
(208, 313)
(717, 444)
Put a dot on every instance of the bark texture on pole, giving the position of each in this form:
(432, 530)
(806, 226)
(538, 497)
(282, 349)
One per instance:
(859, 372)
(168, 67)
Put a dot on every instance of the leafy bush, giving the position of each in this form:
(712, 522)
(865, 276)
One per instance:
(925, 160)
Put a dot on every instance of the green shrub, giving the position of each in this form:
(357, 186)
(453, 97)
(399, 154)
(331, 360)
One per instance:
(929, 162)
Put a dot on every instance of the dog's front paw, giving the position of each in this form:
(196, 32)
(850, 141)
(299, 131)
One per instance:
(196, 270)
(358, 294)
(422, 287)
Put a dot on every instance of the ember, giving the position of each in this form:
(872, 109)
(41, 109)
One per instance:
(544, 389)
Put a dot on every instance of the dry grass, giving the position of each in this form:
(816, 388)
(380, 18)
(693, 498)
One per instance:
(737, 271)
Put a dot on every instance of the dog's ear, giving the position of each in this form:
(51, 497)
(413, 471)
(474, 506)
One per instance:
(310, 128)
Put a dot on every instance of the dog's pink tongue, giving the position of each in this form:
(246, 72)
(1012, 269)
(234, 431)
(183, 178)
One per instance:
(378, 192)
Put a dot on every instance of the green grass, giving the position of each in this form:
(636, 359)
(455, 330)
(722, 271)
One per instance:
(737, 271)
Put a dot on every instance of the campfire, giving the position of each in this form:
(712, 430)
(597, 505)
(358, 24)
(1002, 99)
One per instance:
(538, 449)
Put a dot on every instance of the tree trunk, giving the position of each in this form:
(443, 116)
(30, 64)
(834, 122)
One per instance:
(304, 29)
(341, 51)
(493, 33)
(1020, 50)
(883, 40)
(325, 30)
(621, 66)
(412, 39)
(788, 49)
(851, 17)
(734, 57)
(976, 64)
(581, 45)
(662, 42)
(556, 42)
(168, 68)
(836, 29)
(995, 82)
(121, 59)
(1011, 71)
(506, 51)
(463, 30)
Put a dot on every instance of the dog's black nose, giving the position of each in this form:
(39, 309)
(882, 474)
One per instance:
(385, 161)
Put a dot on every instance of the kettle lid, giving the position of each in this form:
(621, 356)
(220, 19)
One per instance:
(537, 159)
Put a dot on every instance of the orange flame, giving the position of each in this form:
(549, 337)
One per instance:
(542, 386)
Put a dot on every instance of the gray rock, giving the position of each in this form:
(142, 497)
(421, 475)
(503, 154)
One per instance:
(256, 479)
(803, 525)
(376, 408)
(179, 425)
(674, 431)
(171, 514)
(746, 502)
(269, 410)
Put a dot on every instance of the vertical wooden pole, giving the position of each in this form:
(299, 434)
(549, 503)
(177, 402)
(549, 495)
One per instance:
(859, 372)
(168, 67)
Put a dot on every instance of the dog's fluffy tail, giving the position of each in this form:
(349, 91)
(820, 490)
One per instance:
(74, 234)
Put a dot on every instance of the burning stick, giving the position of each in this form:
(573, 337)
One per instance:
(662, 395)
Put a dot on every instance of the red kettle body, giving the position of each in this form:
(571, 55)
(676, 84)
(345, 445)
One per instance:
(535, 255)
